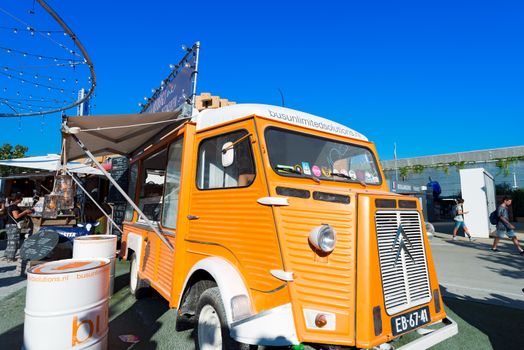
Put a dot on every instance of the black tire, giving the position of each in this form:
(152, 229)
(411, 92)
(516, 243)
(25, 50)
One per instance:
(210, 298)
(137, 286)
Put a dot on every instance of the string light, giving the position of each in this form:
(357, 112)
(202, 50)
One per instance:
(40, 73)
(47, 32)
(24, 81)
(48, 37)
(55, 59)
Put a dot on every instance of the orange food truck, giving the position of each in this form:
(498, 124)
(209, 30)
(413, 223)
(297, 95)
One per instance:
(275, 227)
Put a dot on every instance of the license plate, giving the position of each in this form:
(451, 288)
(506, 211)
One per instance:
(411, 320)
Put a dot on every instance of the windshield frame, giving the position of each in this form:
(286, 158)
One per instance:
(329, 139)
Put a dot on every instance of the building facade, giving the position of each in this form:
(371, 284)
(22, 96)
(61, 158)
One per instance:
(505, 164)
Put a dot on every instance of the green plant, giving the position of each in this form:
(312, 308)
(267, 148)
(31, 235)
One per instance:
(8, 152)
(418, 169)
(404, 172)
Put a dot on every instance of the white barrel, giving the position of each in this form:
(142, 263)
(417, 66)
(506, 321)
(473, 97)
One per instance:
(97, 246)
(67, 305)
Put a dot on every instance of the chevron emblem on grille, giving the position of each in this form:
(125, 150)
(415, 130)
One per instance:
(401, 237)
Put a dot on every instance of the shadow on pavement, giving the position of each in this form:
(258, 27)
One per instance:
(503, 325)
(7, 281)
(13, 338)
(141, 319)
(506, 262)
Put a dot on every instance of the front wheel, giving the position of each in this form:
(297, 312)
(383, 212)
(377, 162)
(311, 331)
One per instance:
(137, 286)
(212, 331)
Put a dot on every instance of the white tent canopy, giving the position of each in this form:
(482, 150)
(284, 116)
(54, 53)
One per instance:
(116, 134)
(50, 162)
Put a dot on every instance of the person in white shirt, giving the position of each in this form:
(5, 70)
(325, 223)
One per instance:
(459, 220)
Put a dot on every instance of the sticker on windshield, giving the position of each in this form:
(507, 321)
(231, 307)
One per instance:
(307, 169)
(316, 170)
(284, 168)
(326, 172)
(298, 169)
(352, 174)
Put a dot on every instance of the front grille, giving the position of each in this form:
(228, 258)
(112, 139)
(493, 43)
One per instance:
(403, 266)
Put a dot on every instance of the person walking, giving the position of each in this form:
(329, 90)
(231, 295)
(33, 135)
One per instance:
(504, 227)
(459, 220)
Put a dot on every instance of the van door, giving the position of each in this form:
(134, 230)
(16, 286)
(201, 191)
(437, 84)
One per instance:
(227, 219)
(158, 199)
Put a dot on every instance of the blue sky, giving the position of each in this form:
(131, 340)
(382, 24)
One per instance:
(434, 77)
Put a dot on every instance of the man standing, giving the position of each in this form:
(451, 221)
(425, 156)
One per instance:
(504, 227)
(459, 220)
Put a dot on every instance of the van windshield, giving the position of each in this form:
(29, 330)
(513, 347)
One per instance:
(301, 155)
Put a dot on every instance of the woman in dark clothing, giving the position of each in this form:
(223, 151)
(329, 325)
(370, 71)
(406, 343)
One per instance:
(15, 215)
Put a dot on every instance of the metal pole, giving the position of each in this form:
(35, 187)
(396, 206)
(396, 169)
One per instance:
(122, 192)
(94, 201)
(396, 165)
(197, 54)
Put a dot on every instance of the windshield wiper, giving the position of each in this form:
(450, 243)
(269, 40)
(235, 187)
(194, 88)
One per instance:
(350, 178)
(290, 169)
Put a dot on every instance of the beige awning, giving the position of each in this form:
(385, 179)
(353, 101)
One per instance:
(116, 134)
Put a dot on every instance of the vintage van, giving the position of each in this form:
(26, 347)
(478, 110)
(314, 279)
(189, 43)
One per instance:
(281, 231)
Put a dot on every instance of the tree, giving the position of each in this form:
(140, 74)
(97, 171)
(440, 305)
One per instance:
(8, 152)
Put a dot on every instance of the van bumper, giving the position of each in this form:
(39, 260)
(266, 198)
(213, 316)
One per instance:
(432, 337)
(274, 327)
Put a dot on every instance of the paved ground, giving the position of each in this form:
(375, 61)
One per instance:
(475, 283)
(471, 271)
(10, 279)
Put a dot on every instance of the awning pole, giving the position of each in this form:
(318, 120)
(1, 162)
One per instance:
(93, 200)
(122, 192)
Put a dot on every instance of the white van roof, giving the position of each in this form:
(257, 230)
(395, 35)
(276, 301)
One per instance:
(212, 117)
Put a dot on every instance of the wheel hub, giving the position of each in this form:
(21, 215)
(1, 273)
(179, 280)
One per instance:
(209, 329)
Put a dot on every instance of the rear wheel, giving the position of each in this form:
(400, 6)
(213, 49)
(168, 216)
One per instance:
(137, 286)
(212, 331)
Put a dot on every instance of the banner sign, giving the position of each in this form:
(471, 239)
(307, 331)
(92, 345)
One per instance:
(178, 88)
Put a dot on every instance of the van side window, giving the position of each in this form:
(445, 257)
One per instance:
(133, 176)
(172, 189)
(152, 186)
(226, 161)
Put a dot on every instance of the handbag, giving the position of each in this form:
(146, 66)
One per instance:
(22, 224)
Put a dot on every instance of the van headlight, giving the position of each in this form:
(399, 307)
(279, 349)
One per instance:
(323, 237)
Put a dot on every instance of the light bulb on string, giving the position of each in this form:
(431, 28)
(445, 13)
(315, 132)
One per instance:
(15, 31)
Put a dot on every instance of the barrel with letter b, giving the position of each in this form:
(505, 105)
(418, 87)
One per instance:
(97, 246)
(67, 305)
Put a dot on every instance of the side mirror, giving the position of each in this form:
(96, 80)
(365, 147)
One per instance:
(228, 154)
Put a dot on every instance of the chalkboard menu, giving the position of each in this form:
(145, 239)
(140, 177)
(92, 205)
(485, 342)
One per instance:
(39, 245)
(119, 172)
(13, 242)
(119, 212)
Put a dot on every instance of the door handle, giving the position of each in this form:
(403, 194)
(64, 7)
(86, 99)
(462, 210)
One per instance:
(193, 217)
